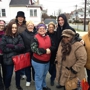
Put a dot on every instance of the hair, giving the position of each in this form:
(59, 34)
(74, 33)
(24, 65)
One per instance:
(3, 21)
(24, 21)
(8, 31)
(29, 22)
(51, 23)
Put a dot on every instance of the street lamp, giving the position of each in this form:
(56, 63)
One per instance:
(85, 16)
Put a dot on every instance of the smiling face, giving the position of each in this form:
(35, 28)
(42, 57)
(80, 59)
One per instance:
(30, 27)
(14, 28)
(42, 30)
(61, 21)
(51, 28)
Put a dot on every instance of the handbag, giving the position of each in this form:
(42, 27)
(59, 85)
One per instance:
(21, 61)
(71, 84)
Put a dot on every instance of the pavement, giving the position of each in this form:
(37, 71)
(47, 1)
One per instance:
(32, 86)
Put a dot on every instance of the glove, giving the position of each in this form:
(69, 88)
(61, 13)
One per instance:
(10, 46)
(19, 45)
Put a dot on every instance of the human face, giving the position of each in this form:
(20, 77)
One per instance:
(20, 20)
(14, 28)
(61, 21)
(42, 30)
(2, 25)
(30, 27)
(66, 39)
(51, 28)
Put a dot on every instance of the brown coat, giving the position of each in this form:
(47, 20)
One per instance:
(86, 39)
(76, 59)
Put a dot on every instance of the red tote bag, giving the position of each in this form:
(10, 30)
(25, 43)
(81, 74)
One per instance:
(21, 61)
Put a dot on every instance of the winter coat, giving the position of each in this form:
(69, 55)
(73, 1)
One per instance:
(27, 36)
(65, 26)
(86, 39)
(75, 60)
(21, 28)
(9, 52)
(53, 37)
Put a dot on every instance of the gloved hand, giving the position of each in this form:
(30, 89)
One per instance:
(19, 45)
(10, 46)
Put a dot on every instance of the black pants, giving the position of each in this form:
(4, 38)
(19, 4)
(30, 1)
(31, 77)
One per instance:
(1, 81)
(3, 69)
(88, 77)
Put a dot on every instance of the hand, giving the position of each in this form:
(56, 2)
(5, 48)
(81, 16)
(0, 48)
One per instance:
(10, 46)
(82, 42)
(19, 45)
(48, 51)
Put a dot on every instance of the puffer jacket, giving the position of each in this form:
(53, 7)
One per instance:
(9, 52)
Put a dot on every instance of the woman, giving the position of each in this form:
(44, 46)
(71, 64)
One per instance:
(86, 39)
(53, 36)
(12, 44)
(27, 36)
(70, 59)
(41, 47)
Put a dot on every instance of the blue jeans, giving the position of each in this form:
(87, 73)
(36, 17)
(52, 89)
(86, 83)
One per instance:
(40, 74)
(8, 76)
(52, 71)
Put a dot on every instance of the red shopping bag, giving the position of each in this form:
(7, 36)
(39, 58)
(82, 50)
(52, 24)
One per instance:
(21, 61)
(84, 85)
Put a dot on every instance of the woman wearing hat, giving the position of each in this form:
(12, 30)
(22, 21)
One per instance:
(70, 59)
(41, 47)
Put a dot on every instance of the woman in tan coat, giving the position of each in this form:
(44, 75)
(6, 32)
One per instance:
(71, 58)
(86, 39)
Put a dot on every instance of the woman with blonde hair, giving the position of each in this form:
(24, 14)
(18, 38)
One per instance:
(86, 39)
(27, 36)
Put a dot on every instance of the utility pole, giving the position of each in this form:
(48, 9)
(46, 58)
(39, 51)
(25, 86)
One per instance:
(85, 16)
(76, 13)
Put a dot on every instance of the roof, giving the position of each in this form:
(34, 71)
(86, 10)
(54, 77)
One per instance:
(19, 2)
(47, 21)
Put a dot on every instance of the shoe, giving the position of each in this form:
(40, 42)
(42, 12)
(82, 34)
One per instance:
(59, 86)
(23, 76)
(46, 88)
(52, 83)
(19, 88)
(28, 84)
(7, 89)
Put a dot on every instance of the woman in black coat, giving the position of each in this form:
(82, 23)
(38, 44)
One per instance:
(11, 45)
(27, 36)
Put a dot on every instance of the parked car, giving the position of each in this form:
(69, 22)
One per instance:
(47, 21)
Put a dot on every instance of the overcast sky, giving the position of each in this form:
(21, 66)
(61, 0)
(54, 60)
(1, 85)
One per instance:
(65, 5)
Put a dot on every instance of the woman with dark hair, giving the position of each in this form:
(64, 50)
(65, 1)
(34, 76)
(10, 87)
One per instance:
(11, 45)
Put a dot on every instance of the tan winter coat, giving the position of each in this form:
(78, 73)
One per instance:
(76, 59)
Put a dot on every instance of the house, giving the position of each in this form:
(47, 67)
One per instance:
(9, 9)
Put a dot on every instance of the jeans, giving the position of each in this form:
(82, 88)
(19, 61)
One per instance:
(8, 76)
(88, 76)
(40, 74)
(28, 73)
(52, 71)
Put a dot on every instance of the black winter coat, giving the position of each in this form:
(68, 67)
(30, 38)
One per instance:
(9, 52)
(54, 38)
(27, 36)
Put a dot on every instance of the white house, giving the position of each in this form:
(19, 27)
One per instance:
(9, 10)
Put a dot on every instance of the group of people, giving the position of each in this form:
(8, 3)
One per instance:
(59, 52)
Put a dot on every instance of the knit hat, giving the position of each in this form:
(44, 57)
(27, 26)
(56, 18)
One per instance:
(20, 14)
(68, 33)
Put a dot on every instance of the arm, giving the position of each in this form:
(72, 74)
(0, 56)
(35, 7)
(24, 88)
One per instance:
(35, 48)
(81, 56)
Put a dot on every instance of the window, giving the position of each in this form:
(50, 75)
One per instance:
(33, 12)
(2, 13)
